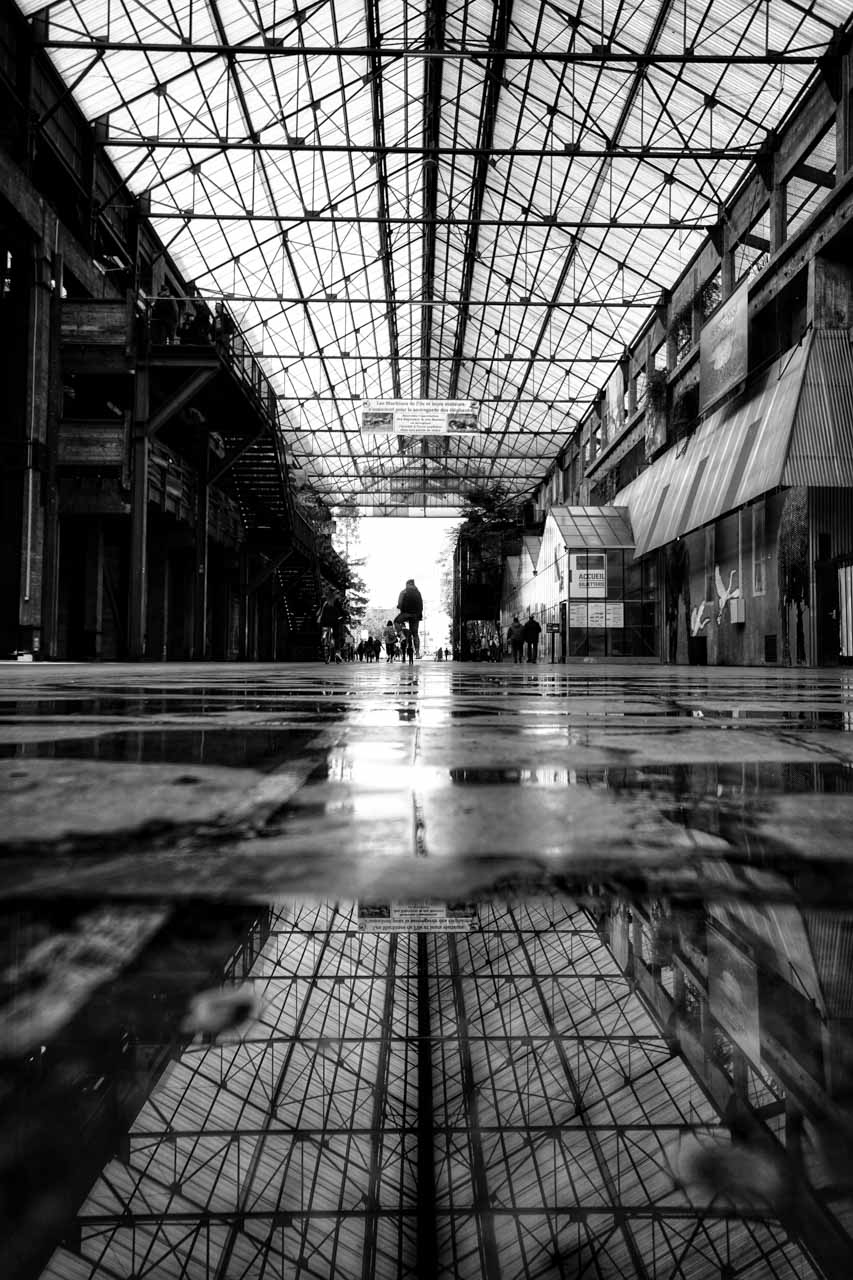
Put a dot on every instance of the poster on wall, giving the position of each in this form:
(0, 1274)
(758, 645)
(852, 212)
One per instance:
(419, 417)
(604, 613)
(655, 427)
(588, 574)
(723, 348)
(613, 406)
(416, 917)
(733, 993)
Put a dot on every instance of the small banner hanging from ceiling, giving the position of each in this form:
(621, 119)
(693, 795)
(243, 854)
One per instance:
(419, 417)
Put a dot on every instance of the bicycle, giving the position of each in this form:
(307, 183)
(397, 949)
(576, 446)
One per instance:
(407, 643)
(327, 644)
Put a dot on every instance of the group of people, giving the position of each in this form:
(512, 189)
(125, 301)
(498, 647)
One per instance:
(521, 635)
(189, 323)
(331, 617)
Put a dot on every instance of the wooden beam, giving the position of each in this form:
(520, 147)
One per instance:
(810, 173)
(755, 242)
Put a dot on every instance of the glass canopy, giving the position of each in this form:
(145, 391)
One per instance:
(423, 200)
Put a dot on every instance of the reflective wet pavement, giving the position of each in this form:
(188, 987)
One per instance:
(594, 914)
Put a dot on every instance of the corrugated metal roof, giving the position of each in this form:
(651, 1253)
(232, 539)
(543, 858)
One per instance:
(594, 527)
(821, 448)
(738, 453)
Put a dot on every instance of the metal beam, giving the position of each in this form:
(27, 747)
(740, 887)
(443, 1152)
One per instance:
(290, 222)
(481, 1202)
(374, 35)
(181, 398)
(436, 14)
(426, 1214)
(381, 148)
(493, 75)
(227, 463)
(638, 1263)
(346, 300)
(235, 1218)
(603, 55)
(378, 1129)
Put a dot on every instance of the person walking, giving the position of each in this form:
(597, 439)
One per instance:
(530, 633)
(390, 638)
(223, 328)
(410, 608)
(515, 638)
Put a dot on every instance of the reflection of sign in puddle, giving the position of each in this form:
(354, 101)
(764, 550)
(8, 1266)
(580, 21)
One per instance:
(417, 917)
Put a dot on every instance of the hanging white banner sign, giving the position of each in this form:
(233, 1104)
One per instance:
(416, 917)
(419, 417)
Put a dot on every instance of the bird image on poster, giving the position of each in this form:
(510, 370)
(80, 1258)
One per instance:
(725, 594)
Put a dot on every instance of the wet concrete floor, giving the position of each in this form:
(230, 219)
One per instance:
(694, 828)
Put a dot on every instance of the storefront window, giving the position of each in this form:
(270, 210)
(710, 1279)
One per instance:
(611, 609)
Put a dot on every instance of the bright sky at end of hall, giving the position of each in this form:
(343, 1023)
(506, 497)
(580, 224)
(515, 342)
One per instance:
(396, 549)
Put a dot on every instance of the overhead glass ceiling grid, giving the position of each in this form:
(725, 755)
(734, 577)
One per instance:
(426, 200)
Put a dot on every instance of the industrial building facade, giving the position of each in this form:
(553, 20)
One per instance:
(724, 434)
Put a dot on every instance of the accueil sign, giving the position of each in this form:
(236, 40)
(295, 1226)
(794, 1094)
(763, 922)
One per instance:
(588, 574)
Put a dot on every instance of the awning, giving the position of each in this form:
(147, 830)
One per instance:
(599, 528)
(821, 448)
(742, 449)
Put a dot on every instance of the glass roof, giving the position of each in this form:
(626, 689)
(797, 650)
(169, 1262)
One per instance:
(413, 200)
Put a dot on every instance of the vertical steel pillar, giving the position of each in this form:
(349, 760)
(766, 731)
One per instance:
(201, 547)
(139, 512)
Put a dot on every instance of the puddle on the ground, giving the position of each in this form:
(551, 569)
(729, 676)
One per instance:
(214, 1081)
(698, 780)
(262, 749)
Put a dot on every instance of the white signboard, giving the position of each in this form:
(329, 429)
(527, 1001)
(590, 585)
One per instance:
(588, 574)
(598, 613)
(419, 417)
(723, 348)
(416, 917)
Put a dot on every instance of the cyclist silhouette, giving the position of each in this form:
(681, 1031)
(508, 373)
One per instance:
(410, 606)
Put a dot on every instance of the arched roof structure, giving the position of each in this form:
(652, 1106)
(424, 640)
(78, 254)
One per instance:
(426, 200)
